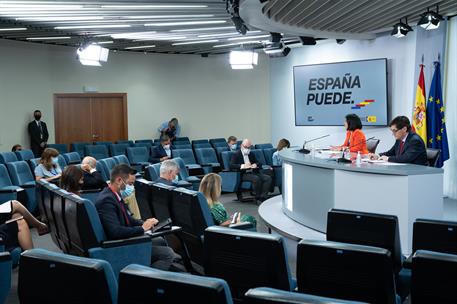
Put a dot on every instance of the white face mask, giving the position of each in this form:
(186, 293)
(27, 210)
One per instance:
(245, 151)
(233, 146)
(55, 160)
(166, 147)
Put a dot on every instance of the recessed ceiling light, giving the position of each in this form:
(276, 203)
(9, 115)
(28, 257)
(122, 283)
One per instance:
(91, 26)
(185, 23)
(240, 43)
(13, 29)
(49, 38)
(153, 6)
(195, 42)
(140, 47)
(167, 16)
(205, 29)
(248, 37)
(105, 42)
(69, 18)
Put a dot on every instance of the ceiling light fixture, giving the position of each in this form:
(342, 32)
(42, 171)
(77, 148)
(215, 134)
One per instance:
(243, 60)
(153, 6)
(140, 47)
(92, 55)
(205, 29)
(248, 37)
(401, 29)
(168, 16)
(75, 27)
(430, 20)
(69, 18)
(195, 42)
(49, 38)
(9, 29)
(185, 23)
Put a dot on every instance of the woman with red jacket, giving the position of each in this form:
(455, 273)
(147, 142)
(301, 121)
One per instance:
(355, 139)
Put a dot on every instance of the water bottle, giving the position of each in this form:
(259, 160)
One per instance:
(358, 160)
(346, 154)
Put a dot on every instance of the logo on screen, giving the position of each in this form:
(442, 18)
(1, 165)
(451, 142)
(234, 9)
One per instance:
(364, 103)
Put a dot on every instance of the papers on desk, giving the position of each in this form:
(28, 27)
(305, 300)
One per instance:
(381, 162)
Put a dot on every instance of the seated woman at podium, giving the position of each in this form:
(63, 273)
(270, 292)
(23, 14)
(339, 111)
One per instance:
(355, 138)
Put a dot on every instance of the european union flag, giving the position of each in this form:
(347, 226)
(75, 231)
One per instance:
(436, 122)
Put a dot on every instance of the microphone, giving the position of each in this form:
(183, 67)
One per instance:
(347, 161)
(306, 151)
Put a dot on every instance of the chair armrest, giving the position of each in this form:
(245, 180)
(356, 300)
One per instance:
(172, 230)
(242, 226)
(11, 189)
(28, 185)
(408, 262)
(123, 242)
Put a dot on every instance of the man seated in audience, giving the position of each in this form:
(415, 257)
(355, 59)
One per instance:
(169, 171)
(231, 142)
(247, 164)
(163, 151)
(408, 148)
(92, 178)
(170, 128)
(16, 148)
(119, 224)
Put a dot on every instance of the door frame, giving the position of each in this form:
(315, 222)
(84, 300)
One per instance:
(56, 96)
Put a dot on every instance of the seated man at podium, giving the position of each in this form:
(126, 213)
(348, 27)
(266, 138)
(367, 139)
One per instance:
(355, 138)
(408, 148)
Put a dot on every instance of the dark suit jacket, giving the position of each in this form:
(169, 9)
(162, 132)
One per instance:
(414, 151)
(164, 181)
(93, 181)
(35, 136)
(237, 160)
(112, 218)
(157, 153)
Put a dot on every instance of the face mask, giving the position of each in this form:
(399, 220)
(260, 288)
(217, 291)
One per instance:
(176, 179)
(246, 151)
(37, 117)
(129, 189)
(233, 147)
(166, 147)
(55, 160)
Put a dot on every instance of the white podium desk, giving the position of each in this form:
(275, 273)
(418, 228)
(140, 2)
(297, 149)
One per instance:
(312, 185)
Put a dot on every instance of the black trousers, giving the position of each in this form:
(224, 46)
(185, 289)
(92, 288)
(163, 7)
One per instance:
(261, 183)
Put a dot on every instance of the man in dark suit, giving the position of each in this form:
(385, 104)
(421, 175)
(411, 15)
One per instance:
(169, 171)
(92, 178)
(163, 151)
(249, 167)
(408, 148)
(38, 133)
(119, 224)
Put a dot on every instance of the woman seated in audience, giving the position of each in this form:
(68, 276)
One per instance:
(355, 139)
(48, 168)
(16, 147)
(72, 179)
(14, 226)
(276, 159)
(210, 186)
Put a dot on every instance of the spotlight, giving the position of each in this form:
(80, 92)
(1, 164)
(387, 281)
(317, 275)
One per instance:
(92, 54)
(243, 60)
(239, 25)
(307, 40)
(401, 29)
(233, 8)
(340, 41)
(280, 50)
(275, 37)
(430, 20)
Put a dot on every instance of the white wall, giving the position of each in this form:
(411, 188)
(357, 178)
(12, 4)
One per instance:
(209, 99)
(400, 54)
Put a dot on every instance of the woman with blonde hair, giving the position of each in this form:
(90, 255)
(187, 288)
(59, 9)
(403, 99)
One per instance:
(210, 186)
(48, 168)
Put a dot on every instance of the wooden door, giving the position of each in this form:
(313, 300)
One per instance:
(90, 117)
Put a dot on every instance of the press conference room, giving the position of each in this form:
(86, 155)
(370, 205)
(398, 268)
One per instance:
(228, 151)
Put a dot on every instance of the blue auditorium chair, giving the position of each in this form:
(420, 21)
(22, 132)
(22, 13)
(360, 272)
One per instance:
(5, 273)
(219, 151)
(187, 156)
(104, 143)
(22, 176)
(62, 148)
(434, 277)
(72, 158)
(118, 149)
(217, 140)
(140, 284)
(79, 147)
(157, 141)
(152, 172)
(149, 141)
(207, 158)
(435, 235)
(138, 157)
(183, 139)
(7, 157)
(184, 174)
(24, 155)
(263, 146)
(62, 161)
(88, 237)
(202, 145)
(97, 151)
(33, 163)
(178, 145)
(261, 260)
(268, 154)
(121, 159)
(8, 191)
(65, 278)
(219, 144)
(144, 197)
(346, 271)
(144, 144)
(107, 165)
(48, 192)
(266, 295)
(128, 142)
(199, 141)
(231, 180)
(189, 210)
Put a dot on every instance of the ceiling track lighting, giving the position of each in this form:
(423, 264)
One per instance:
(401, 29)
(430, 20)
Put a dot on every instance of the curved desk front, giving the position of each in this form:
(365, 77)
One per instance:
(314, 185)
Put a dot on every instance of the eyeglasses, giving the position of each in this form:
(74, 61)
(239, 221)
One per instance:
(394, 131)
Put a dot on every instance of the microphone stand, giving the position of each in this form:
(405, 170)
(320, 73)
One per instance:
(344, 160)
(306, 151)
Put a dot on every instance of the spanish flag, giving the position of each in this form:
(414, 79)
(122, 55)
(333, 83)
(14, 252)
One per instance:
(419, 116)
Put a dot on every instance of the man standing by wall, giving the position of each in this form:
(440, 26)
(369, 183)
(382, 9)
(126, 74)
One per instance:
(38, 133)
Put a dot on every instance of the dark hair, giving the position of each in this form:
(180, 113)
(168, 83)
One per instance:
(37, 111)
(354, 122)
(231, 138)
(121, 170)
(15, 148)
(71, 176)
(283, 143)
(164, 138)
(400, 122)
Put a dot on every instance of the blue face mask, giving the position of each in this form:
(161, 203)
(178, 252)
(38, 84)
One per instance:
(129, 189)
(233, 147)
(176, 179)
(55, 160)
